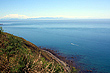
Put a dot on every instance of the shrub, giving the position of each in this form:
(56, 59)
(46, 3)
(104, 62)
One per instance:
(1, 30)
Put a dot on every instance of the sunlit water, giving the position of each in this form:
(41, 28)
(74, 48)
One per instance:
(88, 38)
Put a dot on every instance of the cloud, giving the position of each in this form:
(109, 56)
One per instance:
(15, 16)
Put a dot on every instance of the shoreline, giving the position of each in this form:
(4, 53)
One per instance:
(55, 56)
(68, 64)
(61, 57)
(65, 65)
(42, 53)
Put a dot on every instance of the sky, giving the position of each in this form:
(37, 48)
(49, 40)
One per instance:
(82, 9)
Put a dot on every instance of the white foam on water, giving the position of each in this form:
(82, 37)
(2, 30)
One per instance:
(74, 44)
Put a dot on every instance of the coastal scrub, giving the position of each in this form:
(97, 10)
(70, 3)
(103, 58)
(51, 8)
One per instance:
(19, 55)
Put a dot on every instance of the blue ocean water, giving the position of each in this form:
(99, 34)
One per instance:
(89, 39)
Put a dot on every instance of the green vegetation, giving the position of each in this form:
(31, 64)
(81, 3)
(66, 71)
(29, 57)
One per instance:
(1, 30)
(19, 55)
(74, 70)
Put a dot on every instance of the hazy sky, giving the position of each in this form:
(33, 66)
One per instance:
(55, 8)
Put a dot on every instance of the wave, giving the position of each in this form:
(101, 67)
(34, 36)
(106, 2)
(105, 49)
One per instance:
(74, 44)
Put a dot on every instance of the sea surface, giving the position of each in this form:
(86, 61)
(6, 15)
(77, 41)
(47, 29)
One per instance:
(87, 39)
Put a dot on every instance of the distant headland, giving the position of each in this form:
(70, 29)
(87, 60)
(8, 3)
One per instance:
(1, 24)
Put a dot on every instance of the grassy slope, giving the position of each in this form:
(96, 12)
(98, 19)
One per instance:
(19, 55)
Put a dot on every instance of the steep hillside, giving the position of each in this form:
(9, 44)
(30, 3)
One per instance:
(19, 55)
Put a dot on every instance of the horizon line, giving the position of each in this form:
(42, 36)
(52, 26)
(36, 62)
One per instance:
(49, 18)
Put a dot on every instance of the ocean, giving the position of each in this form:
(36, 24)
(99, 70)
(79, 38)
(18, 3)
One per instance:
(88, 40)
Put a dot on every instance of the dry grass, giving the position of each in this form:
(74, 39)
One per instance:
(19, 55)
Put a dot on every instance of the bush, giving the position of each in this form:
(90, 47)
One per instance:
(1, 30)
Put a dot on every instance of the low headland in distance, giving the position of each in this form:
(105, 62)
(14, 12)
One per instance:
(1, 24)
(20, 55)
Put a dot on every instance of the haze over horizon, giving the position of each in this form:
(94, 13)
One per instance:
(80, 9)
